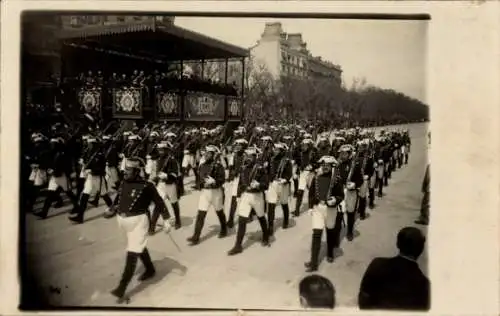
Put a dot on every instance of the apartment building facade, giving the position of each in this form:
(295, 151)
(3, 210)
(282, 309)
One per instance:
(286, 54)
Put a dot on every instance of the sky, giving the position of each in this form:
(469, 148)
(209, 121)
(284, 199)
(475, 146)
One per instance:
(388, 54)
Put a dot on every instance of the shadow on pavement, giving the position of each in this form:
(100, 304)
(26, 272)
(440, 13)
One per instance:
(214, 231)
(163, 267)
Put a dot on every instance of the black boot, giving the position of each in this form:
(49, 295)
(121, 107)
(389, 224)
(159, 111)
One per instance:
(33, 192)
(77, 217)
(95, 201)
(107, 200)
(152, 223)
(298, 203)
(286, 215)
(198, 227)
(351, 217)
(265, 231)
(51, 196)
(222, 221)
(177, 215)
(295, 187)
(371, 197)
(312, 265)
(58, 198)
(362, 207)
(148, 264)
(73, 198)
(270, 217)
(380, 185)
(127, 275)
(242, 228)
(330, 244)
(180, 186)
(386, 179)
(232, 212)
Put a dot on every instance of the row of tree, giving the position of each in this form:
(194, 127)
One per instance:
(324, 102)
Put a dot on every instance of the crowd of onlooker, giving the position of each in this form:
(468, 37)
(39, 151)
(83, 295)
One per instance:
(393, 283)
(142, 79)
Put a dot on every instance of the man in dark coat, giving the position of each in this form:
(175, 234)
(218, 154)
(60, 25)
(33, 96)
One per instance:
(397, 283)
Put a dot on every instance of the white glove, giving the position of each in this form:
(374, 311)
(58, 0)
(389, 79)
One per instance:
(331, 202)
(167, 227)
(309, 168)
(162, 175)
(281, 181)
(351, 185)
(310, 211)
(254, 184)
(209, 180)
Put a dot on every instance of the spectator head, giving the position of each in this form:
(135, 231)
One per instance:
(316, 292)
(411, 242)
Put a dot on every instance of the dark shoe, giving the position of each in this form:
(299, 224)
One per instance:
(222, 222)
(421, 222)
(329, 259)
(76, 218)
(177, 226)
(236, 250)
(350, 237)
(147, 275)
(310, 267)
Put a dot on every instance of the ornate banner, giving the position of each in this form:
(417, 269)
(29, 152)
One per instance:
(234, 108)
(127, 103)
(202, 106)
(168, 105)
(90, 99)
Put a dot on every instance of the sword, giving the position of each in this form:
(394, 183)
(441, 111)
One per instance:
(173, 241)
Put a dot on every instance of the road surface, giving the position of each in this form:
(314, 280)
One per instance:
(81, 263)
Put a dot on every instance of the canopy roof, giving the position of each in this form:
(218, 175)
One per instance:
(147, 39)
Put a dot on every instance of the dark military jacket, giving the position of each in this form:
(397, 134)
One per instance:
(213, 169)
(134, 198)
(318, 192)
(280, 167)
(255, 172)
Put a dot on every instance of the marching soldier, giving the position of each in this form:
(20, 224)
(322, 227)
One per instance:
(235, 163)
(95, 181)
(366, 171)
(306, 165)
(38, 159)
(345, 161)
(152, 155)
(326, 194)
(251, 187)
(212, 176)
(168, 172)
(58, 169)
(132, 202)
(112, 161)
(280, 174)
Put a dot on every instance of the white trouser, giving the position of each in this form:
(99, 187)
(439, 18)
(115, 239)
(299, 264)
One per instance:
(38, 176)
(323, 216)
(56, 182)
(188, 161)
(168, 192)
(305, 179)
(136, 228)
(363, 190)
(233, 186)
(351, 197)
(249, 201)
(211, 198)
(95, 184)
(278, 193)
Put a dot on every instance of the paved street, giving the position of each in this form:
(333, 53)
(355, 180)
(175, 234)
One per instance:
(85, 261)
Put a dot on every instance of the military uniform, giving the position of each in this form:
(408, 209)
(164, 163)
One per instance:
(167, 175)
(326, 194)
(58, 169)
(212, 176)
(306, 164)
(280, 174)
(251, 187)
(132, 202)
(235, 163)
